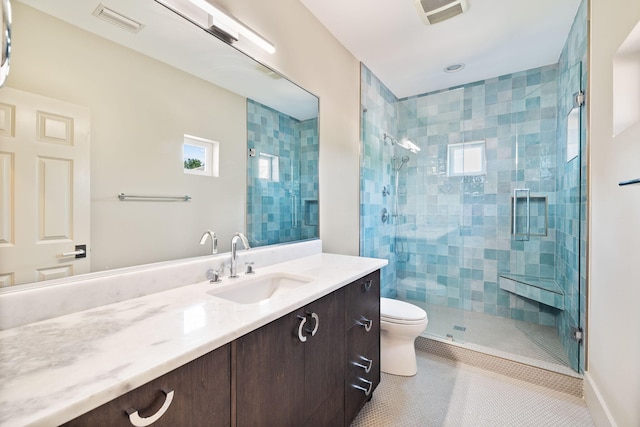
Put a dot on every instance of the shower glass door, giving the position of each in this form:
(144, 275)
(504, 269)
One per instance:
(531, 279)
(544, 214)
(569, 210)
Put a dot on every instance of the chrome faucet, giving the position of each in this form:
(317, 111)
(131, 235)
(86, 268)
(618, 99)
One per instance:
(214, 240)
(234, 241)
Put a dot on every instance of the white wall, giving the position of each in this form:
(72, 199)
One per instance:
(613, 367)
(311, 57)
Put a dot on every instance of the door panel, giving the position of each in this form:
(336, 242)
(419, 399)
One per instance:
(6, 198)
(44, 192)
(270, 375)
(54, 190)
(324, 361)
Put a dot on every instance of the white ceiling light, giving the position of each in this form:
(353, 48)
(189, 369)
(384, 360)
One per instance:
(233, 28)
(453, 68)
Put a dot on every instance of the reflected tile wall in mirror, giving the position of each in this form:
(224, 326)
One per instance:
(282, 186)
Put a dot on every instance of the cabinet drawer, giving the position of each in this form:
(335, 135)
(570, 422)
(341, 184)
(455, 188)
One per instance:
(363, 301)
(360, 384)
(363, 354)
(201, 396)
(361, 339)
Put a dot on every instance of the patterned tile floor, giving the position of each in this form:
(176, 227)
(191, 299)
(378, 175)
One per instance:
(446, 393)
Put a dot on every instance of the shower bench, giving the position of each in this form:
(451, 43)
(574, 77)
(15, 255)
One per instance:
(544, 291)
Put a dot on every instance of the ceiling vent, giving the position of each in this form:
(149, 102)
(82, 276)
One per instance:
(434, 11)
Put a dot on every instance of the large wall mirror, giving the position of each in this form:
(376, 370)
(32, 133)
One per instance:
(92, 110)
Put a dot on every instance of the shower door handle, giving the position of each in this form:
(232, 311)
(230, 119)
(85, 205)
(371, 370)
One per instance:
(294, 211)
(527, 233)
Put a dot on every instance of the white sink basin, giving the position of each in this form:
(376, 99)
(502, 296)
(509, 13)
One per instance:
(260, 288)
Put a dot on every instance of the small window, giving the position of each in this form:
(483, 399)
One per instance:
(466, 159)
(268, 167)
(200, 156)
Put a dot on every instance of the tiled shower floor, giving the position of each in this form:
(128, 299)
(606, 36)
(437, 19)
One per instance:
(446, 393)
(525, 342)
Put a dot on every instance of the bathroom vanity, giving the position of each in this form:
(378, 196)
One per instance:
(308, 356)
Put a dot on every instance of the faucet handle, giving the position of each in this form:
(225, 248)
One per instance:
(249, 269)
(213, 276)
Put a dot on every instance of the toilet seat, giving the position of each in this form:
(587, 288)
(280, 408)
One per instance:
(400, 312)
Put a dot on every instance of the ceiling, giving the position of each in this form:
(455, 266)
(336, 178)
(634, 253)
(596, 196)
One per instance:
(492, 38)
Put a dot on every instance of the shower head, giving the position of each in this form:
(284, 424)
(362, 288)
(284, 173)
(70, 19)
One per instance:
(408, 145)
(404, 143)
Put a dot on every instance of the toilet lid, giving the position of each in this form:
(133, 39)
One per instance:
(399, 310)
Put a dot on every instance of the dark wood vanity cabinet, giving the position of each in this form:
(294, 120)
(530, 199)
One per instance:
(362, 343)
(199, 394)
(285, 378)
(291, 372)
(316, 366)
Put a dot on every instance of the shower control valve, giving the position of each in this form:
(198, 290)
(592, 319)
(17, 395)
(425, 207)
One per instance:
(384, 215)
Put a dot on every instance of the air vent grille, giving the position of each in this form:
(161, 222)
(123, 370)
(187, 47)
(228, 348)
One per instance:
(434, 11)
(445, 14)
(430, 5)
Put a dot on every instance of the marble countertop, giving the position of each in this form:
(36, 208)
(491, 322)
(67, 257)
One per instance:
(55, 370)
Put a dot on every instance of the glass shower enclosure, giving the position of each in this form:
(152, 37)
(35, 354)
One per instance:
(473, 194)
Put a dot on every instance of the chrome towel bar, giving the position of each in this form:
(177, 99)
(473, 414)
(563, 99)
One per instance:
(131, 197)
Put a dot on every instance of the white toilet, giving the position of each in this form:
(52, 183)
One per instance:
(400, 324)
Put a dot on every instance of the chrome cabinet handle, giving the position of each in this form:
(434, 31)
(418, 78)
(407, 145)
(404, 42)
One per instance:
(138, 421)
(366, 286)
(316, 325)
(367, 390)
(367, 367)
(301, 336)
(365, 323)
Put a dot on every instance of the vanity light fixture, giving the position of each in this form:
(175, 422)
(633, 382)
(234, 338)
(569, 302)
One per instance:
(231, 27)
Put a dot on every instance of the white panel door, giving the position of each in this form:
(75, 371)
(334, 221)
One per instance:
(44, 187)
